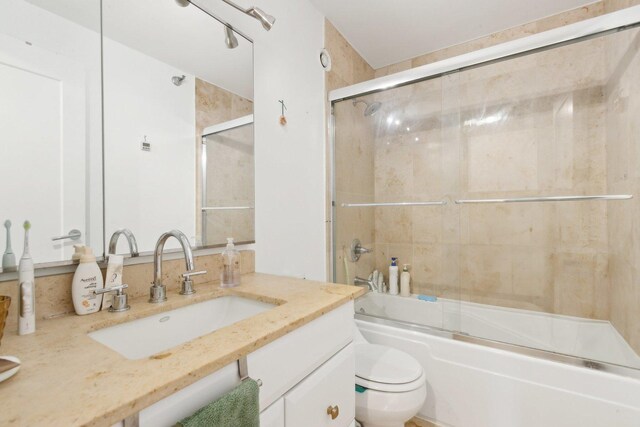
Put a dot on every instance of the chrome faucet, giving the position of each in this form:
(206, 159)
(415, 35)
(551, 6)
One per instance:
(131, 239)
(158, 291)
(359, 281)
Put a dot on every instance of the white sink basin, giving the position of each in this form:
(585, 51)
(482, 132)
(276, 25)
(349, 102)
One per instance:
(154, 334)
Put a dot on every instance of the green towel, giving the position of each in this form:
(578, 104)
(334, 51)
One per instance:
(238, 408)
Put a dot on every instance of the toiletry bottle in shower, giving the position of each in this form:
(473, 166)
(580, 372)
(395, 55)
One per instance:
(230, 276)
(393, 276)
(405, 281)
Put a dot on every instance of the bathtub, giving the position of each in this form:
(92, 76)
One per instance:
(471, 385)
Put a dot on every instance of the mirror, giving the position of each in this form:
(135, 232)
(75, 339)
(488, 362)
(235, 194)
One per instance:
(50, 128)
(155, 97)
(175, 155)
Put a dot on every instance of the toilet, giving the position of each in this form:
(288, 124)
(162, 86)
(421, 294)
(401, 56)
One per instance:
(390, 385)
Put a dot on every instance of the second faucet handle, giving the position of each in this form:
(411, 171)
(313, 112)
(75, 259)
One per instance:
(187, 274)
(187, 283)
(119, 300)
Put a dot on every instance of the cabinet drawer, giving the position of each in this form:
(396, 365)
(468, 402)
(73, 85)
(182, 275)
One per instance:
(273, 416)
(285, 362)
(330, 386)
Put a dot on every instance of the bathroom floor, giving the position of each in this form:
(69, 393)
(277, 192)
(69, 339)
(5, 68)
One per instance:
(417, 422)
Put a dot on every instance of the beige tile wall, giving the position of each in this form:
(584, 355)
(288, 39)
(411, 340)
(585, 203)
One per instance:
(53, 293)
(355, 170)
(215, 105)
(545, 136)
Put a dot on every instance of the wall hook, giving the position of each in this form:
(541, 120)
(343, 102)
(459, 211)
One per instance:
(283, 119)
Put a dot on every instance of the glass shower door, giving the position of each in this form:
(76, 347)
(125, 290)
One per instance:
(395, 171)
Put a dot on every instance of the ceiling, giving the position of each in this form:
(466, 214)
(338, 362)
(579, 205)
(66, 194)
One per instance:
(184, 38)
(385, 32)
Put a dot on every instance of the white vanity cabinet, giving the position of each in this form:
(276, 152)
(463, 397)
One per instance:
(307, 379)
(326, 398)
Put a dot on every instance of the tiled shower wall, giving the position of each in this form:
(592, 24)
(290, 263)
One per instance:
(532, 126)
(349, 68)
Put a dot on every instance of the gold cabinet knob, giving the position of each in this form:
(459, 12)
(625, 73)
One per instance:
(334, 411)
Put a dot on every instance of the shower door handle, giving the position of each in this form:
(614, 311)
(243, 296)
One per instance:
(72, 235)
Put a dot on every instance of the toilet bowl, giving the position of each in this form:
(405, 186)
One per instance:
(390, 385)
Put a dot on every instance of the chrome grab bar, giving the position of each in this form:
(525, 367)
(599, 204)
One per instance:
(73, 235)
(364, 205)
(547, 199)
(226, 208)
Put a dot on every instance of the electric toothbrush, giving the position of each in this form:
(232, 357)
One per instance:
(8, 259)
(27, 309)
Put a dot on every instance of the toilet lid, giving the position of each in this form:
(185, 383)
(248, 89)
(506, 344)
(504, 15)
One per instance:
(382, 364)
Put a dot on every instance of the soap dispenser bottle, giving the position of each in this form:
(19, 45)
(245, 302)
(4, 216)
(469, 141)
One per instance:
(230, 275)
(405, 281)
(86, 280)
(393, 276)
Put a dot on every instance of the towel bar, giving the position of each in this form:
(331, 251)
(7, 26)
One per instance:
(243, 370)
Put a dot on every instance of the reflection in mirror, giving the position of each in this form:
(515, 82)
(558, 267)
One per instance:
(228, 183)
(169, 73)
(50, 127)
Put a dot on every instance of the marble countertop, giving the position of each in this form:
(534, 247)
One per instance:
(68, 379)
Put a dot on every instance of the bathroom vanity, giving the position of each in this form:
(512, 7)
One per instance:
(299, 349)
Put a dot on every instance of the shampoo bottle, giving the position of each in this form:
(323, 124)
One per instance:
(27, 308)
(393, 276)
(86, 280)
(405, 281)
(230, 276)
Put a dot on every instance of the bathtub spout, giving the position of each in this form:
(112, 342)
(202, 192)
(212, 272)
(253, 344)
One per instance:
(359, 281)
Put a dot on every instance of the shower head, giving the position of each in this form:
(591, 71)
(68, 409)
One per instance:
(229, 38)
(265, 19)
(183, 3)
(371, 108)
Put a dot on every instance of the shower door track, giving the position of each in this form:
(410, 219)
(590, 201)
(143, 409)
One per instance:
(547, 355)
(614, 22)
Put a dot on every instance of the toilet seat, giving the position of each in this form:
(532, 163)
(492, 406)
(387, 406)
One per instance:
(386, 369)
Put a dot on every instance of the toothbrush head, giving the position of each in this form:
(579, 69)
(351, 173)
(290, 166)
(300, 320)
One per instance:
(7, 224)
(27, 225)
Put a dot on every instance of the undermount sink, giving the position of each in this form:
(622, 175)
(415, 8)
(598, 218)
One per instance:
(154, 334)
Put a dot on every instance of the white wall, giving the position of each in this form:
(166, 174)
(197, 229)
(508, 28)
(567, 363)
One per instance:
(290, 172)
(148, 192)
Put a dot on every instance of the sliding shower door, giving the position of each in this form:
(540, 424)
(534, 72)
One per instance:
(513, 191)
(396, 162)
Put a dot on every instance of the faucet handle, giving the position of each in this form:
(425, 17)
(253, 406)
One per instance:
(119, 301)
(187, 284)
(187, 274)
(118, 289)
